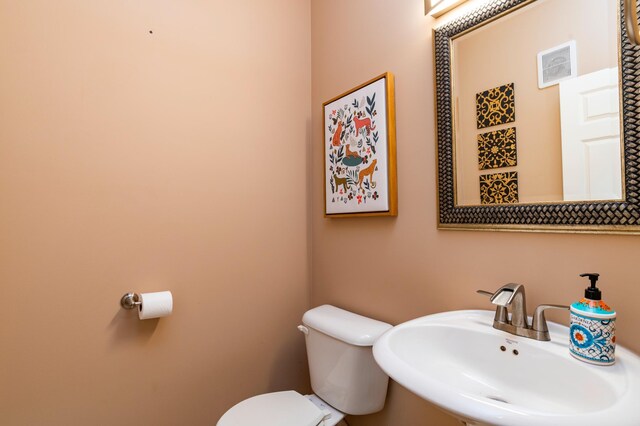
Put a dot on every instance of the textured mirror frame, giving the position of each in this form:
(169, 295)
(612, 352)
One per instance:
(612, 217)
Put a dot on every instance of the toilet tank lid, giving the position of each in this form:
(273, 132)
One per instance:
(344, 325)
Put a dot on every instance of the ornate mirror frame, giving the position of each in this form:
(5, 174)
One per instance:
(612, 217)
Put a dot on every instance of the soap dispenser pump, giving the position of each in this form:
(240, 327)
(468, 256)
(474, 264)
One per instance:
(592, 327)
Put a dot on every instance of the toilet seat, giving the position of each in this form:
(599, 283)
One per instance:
(286, 408)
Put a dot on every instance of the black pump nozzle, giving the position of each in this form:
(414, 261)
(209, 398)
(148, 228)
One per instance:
(592, 292)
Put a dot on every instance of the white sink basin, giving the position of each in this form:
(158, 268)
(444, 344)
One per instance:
(456, 360)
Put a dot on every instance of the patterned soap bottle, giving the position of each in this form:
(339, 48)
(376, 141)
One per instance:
(593, 337)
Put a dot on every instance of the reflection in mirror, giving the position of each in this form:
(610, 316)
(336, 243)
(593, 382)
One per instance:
(536, 105)
(500, 111)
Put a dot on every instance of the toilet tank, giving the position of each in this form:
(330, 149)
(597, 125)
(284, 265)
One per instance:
(341, 365)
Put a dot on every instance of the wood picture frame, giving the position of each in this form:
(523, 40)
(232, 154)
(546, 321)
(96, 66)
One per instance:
(359, 151)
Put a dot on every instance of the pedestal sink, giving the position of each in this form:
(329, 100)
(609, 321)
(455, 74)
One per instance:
(481, 375)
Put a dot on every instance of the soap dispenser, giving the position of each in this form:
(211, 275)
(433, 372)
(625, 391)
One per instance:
(592, 327)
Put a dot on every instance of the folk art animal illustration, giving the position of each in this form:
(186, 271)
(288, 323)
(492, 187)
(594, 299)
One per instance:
(367, 172)
(336, 140)
(351, 153)
(340, 181)
(363, 122)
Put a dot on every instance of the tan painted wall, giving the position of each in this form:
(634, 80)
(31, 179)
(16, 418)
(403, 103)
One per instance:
(502, 53)
(403, 268)
(166, 161)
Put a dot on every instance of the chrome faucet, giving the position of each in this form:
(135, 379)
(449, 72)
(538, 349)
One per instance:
(513, 296)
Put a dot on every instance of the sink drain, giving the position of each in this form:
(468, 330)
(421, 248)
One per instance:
(497, 398)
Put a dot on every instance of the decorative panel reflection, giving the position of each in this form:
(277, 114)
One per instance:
(499, 188)
(495, 106)
(497, 149)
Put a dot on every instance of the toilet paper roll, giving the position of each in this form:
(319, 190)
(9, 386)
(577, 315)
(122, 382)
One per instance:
(155, 305)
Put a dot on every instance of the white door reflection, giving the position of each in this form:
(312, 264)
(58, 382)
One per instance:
(590, 128)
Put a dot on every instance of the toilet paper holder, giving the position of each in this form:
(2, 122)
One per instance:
(130, 300)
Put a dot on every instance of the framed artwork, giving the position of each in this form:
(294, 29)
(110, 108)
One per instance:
(557, 64)
(359, 149)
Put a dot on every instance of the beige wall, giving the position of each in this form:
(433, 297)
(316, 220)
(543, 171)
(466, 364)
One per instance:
(403, 268)
(132, 161)
(505, 51)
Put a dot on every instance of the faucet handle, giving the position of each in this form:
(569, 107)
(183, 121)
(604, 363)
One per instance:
(501, 311)
(539, 321)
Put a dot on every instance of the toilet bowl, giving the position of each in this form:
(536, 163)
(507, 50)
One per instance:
(288, 408)
(344, 376)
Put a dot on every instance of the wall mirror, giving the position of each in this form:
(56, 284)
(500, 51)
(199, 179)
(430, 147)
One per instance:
(537, 115)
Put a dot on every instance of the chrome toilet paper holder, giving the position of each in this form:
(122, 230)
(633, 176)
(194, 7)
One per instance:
(131, 300)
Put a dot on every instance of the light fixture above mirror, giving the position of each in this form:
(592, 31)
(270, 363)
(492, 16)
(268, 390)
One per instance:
(438, 8)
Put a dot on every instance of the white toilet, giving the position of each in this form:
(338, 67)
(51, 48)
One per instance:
(344, 375)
